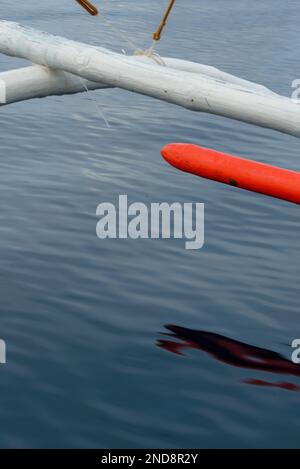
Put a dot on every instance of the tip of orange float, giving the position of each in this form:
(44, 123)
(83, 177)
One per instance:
(173, 152)
(165, 152)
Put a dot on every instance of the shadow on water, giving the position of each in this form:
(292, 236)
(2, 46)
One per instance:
(232, 352)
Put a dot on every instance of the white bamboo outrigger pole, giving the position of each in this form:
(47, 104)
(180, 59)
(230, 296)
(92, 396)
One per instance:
(193, 86)
(39, 82)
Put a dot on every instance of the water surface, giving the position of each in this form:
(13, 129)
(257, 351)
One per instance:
(83, 318)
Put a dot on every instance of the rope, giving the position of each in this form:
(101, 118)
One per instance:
(100, 112)
(150, 52)
(119, 33)
(91, 9)
(157, 35)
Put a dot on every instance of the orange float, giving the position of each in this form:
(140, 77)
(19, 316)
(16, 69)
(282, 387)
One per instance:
(235, 171)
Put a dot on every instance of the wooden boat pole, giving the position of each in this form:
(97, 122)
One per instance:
(157, 35)
(194, 92)
(39, 82)
(89, 7)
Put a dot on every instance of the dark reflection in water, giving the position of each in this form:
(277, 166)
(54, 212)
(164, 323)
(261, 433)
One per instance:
(233, 353)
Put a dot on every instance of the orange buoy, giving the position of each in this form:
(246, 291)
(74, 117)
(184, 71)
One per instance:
(235, 171)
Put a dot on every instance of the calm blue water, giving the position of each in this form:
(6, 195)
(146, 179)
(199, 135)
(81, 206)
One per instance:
(83, 318)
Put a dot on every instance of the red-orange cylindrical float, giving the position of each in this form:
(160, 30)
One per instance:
(235, 171)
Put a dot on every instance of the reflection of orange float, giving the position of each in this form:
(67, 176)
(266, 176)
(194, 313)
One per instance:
(239, 172)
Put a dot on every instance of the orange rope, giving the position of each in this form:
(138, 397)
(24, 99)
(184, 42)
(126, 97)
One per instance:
(91, 9)
(157, 35)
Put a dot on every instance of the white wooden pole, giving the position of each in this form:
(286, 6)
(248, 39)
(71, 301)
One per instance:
(38, 82)
(215, 73)
(193, 91)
